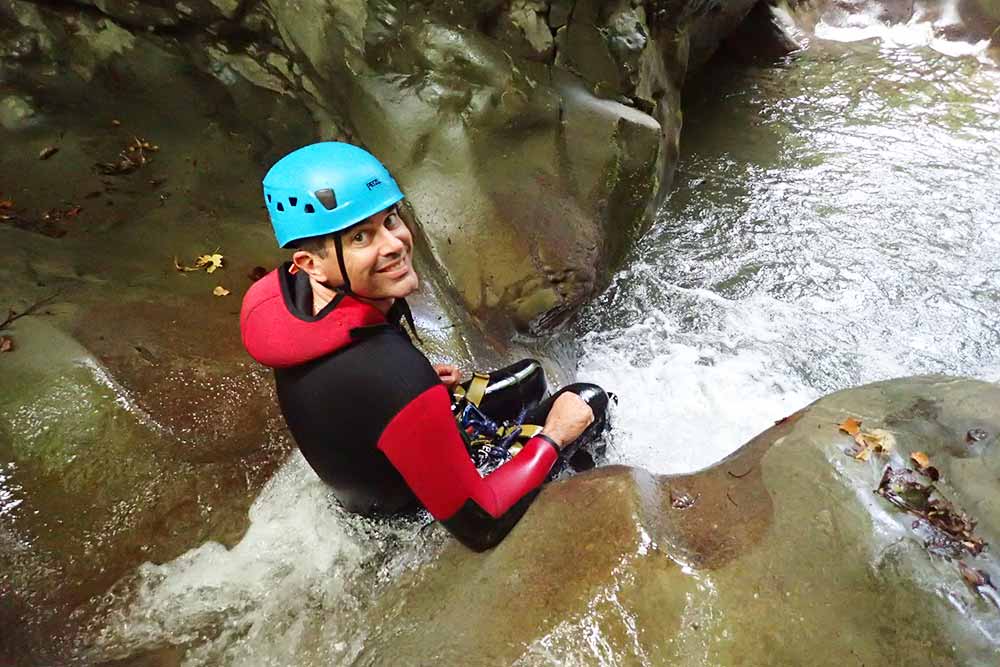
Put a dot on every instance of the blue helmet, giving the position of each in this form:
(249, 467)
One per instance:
(325, 187)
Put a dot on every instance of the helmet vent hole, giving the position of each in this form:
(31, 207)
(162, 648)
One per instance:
(308, 208)
(280, 207)
(293, 200)
(327, 198)
(269, 199)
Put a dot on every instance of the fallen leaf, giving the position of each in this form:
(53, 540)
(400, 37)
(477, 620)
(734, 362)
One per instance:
(116, 123)
(951, 530)
(6, 344)
(48, 152)
(920, 459)
(850, 426)
(878, 440)
(862, 454)
(974, 577)
(6, 203)
(130, 158)
(181, 267)
(209, 262)
(220, 291)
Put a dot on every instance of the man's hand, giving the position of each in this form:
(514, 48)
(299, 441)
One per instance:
(449, 374)
(567, 419)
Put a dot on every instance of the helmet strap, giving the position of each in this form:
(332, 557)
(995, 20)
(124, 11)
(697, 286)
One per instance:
(400, 309)
(339, 249)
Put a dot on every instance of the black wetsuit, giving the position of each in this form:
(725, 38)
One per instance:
(372, 418)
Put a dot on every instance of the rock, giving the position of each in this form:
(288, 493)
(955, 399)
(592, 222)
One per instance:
(781, 552)
(98, 482)
(528, 16)
(760, 37)
(16, 113)
(132, 424)
(489, 117)
(167, 13)
(470, 129)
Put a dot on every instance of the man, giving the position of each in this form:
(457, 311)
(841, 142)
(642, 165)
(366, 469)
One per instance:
(368, 411)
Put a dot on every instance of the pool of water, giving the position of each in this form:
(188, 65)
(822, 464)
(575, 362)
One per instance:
(835, 220)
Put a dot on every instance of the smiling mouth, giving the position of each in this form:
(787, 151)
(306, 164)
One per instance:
(399, 263)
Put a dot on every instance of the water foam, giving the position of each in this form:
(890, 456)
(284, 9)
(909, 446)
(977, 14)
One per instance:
(925, 28)
(290, 587)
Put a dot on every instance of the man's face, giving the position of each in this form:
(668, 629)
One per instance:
(378, 254)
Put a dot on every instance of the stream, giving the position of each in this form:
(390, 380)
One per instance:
(833, 222)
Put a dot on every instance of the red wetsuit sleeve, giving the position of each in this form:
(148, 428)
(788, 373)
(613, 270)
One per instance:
(422, 441)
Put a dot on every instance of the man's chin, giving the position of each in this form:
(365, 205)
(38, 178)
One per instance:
(409, 285)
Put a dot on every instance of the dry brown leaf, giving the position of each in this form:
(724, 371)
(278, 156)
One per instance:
(973, 576)
(220, 291)
(47, 152)
(920, 459)
(878, 439)
(850, 426)
(6, 344)
(862, 454)
(209, 262)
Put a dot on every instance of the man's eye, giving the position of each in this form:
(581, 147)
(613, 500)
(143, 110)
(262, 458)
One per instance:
(392, 221)
(359, 237)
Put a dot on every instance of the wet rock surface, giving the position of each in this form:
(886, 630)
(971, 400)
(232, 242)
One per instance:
(534, 139)
(780, 554)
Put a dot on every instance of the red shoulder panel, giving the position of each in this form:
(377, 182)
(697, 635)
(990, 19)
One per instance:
(277, 338)
(423, 443)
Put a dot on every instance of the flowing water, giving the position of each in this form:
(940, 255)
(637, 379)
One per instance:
(834, 221)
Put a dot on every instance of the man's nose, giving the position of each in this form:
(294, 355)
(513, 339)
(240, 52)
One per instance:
(390, 243)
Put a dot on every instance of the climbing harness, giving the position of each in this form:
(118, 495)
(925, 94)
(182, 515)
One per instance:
(490, 443)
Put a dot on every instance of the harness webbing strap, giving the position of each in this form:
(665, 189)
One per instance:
(477, 388)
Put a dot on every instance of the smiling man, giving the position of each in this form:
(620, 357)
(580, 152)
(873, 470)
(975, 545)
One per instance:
(370, 414)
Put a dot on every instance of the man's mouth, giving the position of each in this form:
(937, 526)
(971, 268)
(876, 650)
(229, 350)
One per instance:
(394, 267)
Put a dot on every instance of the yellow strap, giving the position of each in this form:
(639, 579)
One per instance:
(527, 430)
(530, 430)
(477, 388)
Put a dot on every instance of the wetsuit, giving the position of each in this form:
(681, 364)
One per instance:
(373, 419)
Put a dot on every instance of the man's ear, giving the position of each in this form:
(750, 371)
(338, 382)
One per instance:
(305, 261)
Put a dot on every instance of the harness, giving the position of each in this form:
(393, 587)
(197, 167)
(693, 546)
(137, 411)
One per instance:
(490, 443)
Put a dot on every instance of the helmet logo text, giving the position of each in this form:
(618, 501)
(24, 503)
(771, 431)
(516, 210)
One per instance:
(372, 183)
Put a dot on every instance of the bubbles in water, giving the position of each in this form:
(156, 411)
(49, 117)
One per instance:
(290, 587)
